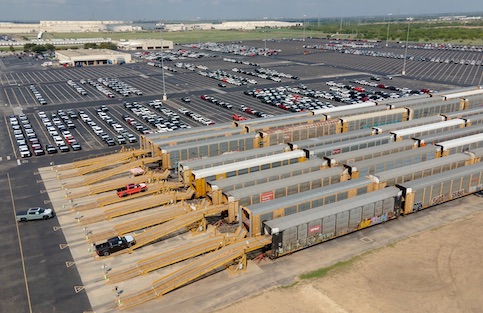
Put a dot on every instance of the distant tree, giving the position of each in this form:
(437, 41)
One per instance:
(90, 46)
(28, 47)
(11, 48)
(49, 46)
(39, 49)
(108, 45)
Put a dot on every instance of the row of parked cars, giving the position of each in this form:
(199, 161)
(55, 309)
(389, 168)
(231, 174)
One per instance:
(119, 86)
(168, 121)
(99, 87)
(226, 77)
(213, 100)
(165, 67)
(56, 127)
(288, 98)
(99, 131)
(37, 95)
(19, 127)
(197, 117)
(78, 88)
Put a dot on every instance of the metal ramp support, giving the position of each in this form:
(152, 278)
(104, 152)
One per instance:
(163, 214)
(123, 154)
(161, 260)
(117, 183)
(130, 206)
(97, 177)
(94, 178)
(160, 231)
(114, 198)
(196, 269)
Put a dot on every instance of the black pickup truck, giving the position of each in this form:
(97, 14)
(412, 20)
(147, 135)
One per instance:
(114, 244)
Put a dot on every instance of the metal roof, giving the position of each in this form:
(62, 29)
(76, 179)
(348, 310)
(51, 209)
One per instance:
(233, 156)
(264, 120)
(304, 217)
(445, 145)
(373, 114)
(418, 99)
(459, 132)
(370, 109)
(340, 145)
(334, 138)
(307, 196)
(281, 124)
(344, 108)
(351, 155)
(394, 157)
(421, 166)
(209, 141)
(411, 123)
(194, 136)
(428, 127)
(465, 113)
(464, 94)
(443, 177)
(184, 132)
(239, 194)
(230, 181)
(210, 171)
(477, 152)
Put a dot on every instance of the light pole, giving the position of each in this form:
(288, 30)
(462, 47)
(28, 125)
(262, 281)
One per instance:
(406, 48)
(388, 23)
(265, 30)
(304, 29)
(162, 64)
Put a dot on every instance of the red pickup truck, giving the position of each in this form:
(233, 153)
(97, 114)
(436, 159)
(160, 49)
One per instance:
(131, 189)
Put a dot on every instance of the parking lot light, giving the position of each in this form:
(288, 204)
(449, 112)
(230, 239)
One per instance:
(165, 97)
(304, 30)
(406, 48)
(388, 23)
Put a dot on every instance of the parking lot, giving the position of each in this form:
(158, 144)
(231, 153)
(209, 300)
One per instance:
(89, 111)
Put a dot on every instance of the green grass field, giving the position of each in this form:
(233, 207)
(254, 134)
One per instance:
(191, 36)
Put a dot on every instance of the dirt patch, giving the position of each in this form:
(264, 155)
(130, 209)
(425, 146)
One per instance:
(435, 271)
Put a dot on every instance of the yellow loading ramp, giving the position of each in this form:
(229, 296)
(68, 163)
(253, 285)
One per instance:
(123, 154)
(163, 214)
(160, 187)
(160, 231)
(96, 177)
(137, 205)
(196, 269)
(175, 255)
(118, 183)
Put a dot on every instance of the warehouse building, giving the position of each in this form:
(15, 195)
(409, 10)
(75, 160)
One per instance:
(87, 57)
(148, 44)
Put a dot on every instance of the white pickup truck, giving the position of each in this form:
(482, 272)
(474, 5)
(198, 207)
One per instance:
(34, 214)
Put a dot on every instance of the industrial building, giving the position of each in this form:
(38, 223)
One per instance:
(87, 57)
(148, 44)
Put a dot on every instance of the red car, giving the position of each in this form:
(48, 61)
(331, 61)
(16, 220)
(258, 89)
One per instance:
(238, 117)
(131, 189)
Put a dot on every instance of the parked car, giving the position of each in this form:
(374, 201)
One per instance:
(34, 214)
(131, 189)
(114, 244)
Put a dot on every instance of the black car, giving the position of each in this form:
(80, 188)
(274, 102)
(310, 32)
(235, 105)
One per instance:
(76, 146)
(64, 148)
(39, 152)
(50, 149)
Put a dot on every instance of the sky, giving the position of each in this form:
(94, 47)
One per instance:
(172, 10)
